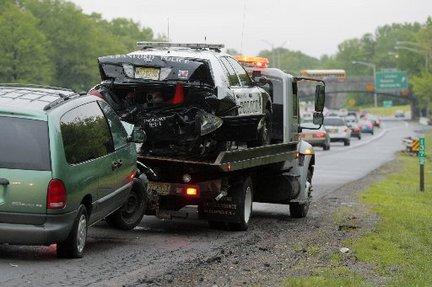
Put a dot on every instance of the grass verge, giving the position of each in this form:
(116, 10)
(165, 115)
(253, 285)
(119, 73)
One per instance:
(399, 249)
(387, 112)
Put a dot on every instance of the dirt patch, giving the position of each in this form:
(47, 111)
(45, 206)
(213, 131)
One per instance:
(277, 247)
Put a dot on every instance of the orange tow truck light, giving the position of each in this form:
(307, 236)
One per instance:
(252, 61)
(192, 190)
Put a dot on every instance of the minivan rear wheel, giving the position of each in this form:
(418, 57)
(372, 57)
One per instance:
(73, 246)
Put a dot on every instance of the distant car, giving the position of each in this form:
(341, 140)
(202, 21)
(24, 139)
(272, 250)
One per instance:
(66, 163)
(399, 114)
(338, 130)
(366, 126)
(315, 137)
(352, 123)
(376, 121)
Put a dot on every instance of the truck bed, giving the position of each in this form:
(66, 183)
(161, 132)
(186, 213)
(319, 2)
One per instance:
(234, 160)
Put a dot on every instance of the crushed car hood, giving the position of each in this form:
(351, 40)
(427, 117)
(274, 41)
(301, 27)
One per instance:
(150, 68)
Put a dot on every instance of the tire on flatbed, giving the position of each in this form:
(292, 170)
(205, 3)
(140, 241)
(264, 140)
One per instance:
(131, 213)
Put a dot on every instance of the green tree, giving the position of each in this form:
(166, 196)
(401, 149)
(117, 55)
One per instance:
(23, 48)
(422, 87)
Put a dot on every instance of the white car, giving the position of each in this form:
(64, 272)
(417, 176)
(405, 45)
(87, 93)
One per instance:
(338, 130)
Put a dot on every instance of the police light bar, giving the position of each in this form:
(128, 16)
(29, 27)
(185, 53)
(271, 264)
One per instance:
(252, 61)
(148, 45)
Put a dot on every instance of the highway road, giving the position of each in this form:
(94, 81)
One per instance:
(153, 252)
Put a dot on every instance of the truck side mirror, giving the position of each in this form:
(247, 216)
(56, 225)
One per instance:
(318, 119)
(319, 98)
(137, 136)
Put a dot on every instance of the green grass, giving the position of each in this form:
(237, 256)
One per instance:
(400, 247)
(387, 112)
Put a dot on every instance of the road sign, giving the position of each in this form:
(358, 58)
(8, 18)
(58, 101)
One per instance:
(387, 104)
(422, 160)
(388, 80)
(422, 150)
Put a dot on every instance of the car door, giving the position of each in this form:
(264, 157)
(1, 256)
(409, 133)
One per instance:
(124, 156)
(249, 96)
(235, 88)
(88, 149)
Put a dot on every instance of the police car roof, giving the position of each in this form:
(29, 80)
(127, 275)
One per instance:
(181, 52)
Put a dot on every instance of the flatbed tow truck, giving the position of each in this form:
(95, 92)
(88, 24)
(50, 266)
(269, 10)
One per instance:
(224, 189)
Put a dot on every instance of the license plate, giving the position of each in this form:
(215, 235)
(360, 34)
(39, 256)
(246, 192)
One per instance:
(160, 188)
(147, 73)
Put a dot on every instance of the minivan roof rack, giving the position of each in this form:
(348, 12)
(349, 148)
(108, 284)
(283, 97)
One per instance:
(19, 85)
(199, 46)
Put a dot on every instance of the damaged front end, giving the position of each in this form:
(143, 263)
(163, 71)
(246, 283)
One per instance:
(172, 99)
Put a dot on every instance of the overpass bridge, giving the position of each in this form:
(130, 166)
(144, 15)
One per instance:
(337, 92)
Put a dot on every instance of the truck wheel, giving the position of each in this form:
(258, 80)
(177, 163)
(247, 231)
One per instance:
(326, 146)
(265, 133)
(300, 210)
(130, 214)
(243, 196)
(73, 246)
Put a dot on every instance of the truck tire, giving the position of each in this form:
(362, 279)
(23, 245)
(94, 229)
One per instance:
(130, 214)
(243, 196)
(73, 246)
(300, 210)
(265, 133)
(326, 146)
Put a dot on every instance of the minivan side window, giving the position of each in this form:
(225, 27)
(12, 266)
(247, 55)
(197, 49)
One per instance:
(85, 134)
(241, 72)
(118, 132)
(232, 76)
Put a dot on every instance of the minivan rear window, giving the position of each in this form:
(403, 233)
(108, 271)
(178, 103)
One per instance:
(24, 144)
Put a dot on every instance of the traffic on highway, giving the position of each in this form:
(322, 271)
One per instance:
(139, 157)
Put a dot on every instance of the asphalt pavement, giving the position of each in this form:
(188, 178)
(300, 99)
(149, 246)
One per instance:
(157, 247)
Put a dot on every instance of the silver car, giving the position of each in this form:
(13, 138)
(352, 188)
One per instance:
(338, 130)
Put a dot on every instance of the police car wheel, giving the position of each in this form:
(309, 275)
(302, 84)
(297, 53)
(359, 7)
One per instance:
(265, 132)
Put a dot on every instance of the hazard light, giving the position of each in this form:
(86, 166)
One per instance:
(252, 61)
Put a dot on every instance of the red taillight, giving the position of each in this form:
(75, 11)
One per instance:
(56, 194)
(96, 93)
(191, 190)
(320, 134)
(179, 95)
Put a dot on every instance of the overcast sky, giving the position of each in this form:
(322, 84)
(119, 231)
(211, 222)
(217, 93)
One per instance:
(315, 27)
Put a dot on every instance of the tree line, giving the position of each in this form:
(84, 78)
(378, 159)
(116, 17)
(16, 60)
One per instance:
(53, 42)
(404, 46)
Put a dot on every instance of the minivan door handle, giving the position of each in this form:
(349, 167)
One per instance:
(4, 181)
(116, 164)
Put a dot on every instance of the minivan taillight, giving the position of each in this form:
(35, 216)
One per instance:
(56, 194)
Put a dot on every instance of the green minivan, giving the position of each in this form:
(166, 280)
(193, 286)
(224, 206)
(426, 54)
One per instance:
(66, 162)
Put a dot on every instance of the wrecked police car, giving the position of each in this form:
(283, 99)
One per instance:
(190, 99)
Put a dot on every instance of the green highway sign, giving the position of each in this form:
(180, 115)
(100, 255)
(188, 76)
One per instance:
(387, 104)
(422, 150)
(386, 80)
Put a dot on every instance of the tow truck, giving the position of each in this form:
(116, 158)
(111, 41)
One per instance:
(225, 188)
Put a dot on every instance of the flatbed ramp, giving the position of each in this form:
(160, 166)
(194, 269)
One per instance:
(234, 160)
